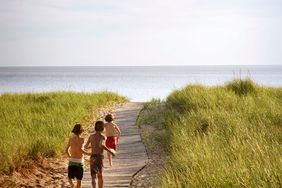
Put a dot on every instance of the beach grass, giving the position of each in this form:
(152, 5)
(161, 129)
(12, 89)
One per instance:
(35, 126)
(221, 136)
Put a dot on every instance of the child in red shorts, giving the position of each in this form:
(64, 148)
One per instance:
(112, 140)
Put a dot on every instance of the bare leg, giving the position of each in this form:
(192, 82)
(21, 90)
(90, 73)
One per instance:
(110, 158)
(78, 184)
(71, 183)
(100, 180)
(94, 181)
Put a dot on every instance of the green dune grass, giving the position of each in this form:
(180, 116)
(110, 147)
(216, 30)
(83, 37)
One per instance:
(37, 125)
(225, 136)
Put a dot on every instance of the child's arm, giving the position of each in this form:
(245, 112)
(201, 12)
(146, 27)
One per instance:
(102, 144)
(108, 150)
(67, 149)
(82, 148)
(86, 146)
(84, 152)
(119, 133)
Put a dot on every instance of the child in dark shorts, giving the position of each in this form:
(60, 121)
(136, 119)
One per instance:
(75, 169)
(97, 142)
(75, 153)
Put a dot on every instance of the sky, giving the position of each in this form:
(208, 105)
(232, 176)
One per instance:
(140, 33)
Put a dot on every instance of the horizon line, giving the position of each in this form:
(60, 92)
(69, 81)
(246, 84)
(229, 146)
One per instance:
(40, 66)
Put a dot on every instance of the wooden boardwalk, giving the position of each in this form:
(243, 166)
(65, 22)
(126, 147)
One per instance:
(131, 154)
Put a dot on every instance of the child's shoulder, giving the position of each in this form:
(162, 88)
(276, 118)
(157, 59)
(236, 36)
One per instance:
(113, 125)
(95, 135)
(90, 136)
(110, 124)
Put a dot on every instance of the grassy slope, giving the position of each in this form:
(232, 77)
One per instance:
(221, 136)
(37, 125)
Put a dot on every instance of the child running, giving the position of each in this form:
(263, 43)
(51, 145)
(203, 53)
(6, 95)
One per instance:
(97, 142)
(111, 141)
(75, 153)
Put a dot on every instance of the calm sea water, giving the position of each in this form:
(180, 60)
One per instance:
(136, 83)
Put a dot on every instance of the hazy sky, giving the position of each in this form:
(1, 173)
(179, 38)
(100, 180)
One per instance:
(144, 32)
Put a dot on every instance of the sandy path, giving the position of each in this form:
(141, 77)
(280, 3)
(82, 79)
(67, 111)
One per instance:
(131, 155)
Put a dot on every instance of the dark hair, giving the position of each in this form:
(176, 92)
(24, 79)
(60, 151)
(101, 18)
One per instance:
(109, 118)
(77, 129)
(99, 126)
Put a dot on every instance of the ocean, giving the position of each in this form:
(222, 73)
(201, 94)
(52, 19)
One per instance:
(136, 83)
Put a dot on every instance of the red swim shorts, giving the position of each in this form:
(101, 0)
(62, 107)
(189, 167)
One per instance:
(111, 142)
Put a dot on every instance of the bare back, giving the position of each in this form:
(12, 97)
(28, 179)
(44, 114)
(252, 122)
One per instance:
(96, 141)
(76, 144)
(110, 129)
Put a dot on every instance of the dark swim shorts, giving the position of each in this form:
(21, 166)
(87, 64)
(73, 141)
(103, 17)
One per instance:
(75, 170)
(96, 164)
